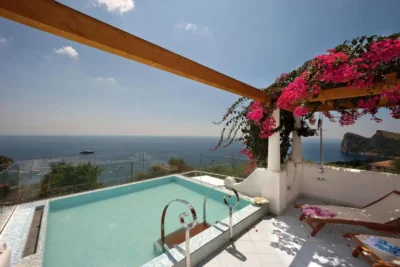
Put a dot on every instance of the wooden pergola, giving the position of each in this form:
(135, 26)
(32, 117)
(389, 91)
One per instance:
(58, 19)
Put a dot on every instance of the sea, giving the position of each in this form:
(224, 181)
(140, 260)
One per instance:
(48, 147)
(122, 155)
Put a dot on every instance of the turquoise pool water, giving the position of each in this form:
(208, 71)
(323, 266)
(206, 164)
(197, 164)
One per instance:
(118, 227)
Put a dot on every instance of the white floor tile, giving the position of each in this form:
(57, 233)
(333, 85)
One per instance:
(252, 260)
(270, 260)
(228, 260)
(244, 246)
(284, 241)
(264, 247)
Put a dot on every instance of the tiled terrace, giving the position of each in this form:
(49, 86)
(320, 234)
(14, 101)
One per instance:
(285, 241)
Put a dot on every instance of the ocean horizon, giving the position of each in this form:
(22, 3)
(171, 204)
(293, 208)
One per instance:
(27, 147)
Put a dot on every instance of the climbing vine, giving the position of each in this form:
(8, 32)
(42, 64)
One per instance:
(364, 62)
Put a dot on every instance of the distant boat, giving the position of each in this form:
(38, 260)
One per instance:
(85, 152)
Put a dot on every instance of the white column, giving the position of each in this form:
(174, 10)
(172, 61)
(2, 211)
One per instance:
(296, 145)
(274, 147)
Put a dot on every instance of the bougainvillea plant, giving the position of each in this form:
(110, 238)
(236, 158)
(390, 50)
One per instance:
(360, 63)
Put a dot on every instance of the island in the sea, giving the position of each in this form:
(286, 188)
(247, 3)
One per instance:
(382, 143)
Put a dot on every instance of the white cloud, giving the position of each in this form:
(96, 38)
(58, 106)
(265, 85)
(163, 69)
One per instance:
(48, 59)
(67, 50)
(106, 80)
(3, 40)
(119, 6)
(196, 29)
(187, 26)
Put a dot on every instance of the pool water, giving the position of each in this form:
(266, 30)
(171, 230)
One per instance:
(118, 227)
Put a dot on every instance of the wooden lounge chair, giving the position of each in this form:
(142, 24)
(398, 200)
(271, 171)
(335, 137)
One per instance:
(381, 215)
(374, 256)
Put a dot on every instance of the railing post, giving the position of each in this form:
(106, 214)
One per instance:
(184, 225)
(226, 203)
(230, 211)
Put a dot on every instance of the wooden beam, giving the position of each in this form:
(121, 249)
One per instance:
(351, 92)
(345, 92)
(55, 18)
(346, 105)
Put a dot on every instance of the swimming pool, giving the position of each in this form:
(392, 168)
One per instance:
(119, 226)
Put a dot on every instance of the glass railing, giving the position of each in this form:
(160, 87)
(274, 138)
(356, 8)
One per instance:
(32, 180)
(11, 193)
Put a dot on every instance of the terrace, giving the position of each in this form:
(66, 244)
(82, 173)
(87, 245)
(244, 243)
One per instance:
(277, 238)
(258, 235)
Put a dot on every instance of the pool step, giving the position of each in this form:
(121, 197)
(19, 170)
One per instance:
(33, 236)
(178, 237)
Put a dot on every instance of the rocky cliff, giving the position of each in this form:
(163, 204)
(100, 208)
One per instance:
(382, 143)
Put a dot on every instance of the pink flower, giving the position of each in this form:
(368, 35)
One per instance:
(255, 115)
(296, 90)
(312, 120)
(300, 111)
(316, 90)
(247, 152)
(348, 117)
(328, 115)
(255, 112)
(317, 212)
(268, 127)
(395, 112)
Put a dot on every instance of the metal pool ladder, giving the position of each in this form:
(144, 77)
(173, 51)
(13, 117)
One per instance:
(185, 226)
(226, 203)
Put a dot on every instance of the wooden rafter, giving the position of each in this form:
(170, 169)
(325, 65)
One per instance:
(324, 101)
(55, 18)
(328, 106)
(351, 92)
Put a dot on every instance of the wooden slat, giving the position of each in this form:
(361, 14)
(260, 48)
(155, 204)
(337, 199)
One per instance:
(350, 92)
(345, 105)
(345, 92)
(58, 19)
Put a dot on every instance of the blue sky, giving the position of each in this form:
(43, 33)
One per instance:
(53, 86)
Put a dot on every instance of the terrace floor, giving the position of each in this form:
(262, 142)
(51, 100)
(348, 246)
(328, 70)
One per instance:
(285, 241)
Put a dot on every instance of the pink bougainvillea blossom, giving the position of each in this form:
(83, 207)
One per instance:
(251, 164)
(317, 212)
(312, 120)
(382, 51)
(395, 112)
(255, 112)
(348, 117)
(247, 152)
(392, 94)
(294, 91)
(300, 111)
(268, 127)
(346, 65)
(329, 115)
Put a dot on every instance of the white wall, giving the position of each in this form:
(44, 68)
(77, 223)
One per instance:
(342, 186)
(294, 178)
(347, 186)
(264, 183)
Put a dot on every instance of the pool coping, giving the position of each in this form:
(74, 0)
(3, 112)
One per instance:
(16, 231)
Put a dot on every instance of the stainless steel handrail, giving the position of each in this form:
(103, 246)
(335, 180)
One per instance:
(226, 203)
(185, 226)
